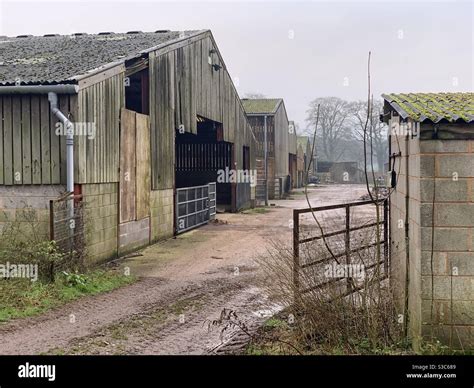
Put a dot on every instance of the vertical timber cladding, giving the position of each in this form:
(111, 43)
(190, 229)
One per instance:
(97, 158)
(183, 85)
(30, 150)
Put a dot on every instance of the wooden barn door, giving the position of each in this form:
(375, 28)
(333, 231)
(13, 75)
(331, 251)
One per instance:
(135, 171)
(127, 166)
(135, 181)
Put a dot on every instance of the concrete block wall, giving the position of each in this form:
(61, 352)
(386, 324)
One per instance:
(441, 179)
(409, 149)
(101, 221)
(447, 262)
(162, 214)
(27, 205)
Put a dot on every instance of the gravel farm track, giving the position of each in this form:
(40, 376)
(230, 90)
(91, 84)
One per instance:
(183, 284)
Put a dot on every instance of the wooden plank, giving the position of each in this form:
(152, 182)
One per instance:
(35, 140)
(17, 145)
(91, 80)
(64, 107)
(26, 139)
(143, 182)
(55, 151)
(45, 141)
(80, 148)
(7, 140)
(127, 166)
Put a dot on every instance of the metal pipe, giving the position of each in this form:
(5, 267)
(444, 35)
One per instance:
(39, 89)
(69, 129)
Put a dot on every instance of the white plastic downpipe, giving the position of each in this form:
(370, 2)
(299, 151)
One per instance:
(68, 126)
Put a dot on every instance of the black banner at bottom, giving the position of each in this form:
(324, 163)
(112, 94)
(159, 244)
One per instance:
(138, 371)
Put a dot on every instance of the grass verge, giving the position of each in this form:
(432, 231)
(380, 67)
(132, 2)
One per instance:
(22, 298)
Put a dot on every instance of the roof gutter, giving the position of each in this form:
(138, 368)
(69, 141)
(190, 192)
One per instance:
(40, 89)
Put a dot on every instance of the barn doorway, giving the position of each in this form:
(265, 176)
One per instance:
(205, 158)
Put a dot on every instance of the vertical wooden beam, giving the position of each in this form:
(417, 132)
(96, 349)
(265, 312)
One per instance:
(26, 139)
(17, 146)
(45, 141)
(35, 140)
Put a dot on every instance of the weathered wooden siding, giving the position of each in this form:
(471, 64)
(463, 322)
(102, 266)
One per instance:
(183, 85)
(30, 150)
(97, 160)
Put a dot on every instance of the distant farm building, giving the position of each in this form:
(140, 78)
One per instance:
(269, 121)
(156, 121)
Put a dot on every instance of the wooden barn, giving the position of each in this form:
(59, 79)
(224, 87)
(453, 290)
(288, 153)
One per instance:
(146, 129)
(276, 138)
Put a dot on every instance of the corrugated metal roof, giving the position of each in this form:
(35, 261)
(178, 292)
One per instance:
(55, 58)
(433, 107)
(261, 105)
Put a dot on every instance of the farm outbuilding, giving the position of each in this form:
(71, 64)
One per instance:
(154, 136)
(276, 138)
(431, 142)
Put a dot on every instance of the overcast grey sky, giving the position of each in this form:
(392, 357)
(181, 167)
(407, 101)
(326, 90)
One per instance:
(295, 50)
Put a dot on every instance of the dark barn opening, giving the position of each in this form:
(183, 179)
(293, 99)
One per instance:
(136, 92)
(201, 157)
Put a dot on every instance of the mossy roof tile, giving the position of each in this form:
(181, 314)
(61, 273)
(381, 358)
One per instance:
(433, 107)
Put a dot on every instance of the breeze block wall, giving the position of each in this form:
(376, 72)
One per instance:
(447, 262)
(101, 221)
(162, 214)
(440, 195)
(27, 205)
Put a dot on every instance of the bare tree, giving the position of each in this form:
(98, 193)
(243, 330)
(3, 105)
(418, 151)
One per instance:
(333, 125)
(376, 131)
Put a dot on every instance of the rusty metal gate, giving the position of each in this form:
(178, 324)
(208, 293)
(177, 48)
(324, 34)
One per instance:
(66, 226)
(355, 230)
(195, 206)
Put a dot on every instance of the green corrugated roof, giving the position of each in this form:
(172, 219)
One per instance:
(261, 105)
(433, 107)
